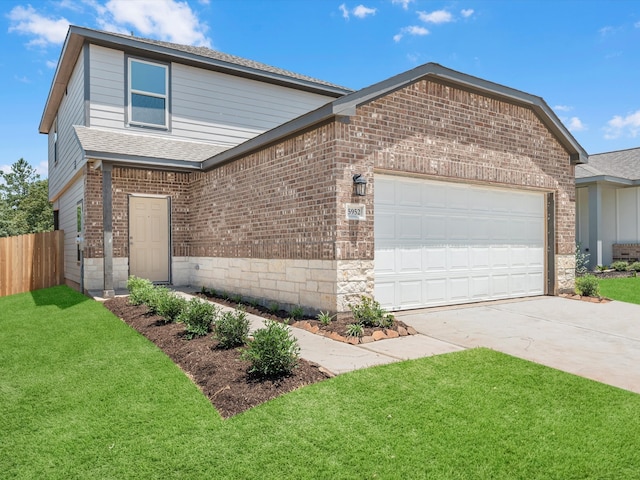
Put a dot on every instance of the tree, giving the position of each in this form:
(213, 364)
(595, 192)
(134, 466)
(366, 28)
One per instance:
(24, 203)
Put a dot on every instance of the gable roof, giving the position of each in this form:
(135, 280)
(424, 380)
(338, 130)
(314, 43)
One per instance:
(346, 105)
(201, 57)
(622, 166)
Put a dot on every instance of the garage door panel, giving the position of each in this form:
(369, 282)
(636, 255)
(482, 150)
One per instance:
(434, 260)
(435, 291)
(455, 243)
(409, 260)
(409, 226)
(434, 227)
(384, 227)
(410, 195)
(410, 293)
(458, 258)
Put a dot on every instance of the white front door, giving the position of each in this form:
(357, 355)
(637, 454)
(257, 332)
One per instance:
(149, 242)
(442, 243)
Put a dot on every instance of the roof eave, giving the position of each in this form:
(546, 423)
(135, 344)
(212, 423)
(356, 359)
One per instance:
(346, 106)
(607, 179)
(68, 56)
(143, 162)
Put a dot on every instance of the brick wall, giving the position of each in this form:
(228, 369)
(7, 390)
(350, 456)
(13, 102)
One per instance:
(276, 203)
(124, 182)
(445, 132)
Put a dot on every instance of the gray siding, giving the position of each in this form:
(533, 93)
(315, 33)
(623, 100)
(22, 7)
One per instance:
(205, 106)
(67, 211)
(107, 84)
(70, 113)
(228, 110)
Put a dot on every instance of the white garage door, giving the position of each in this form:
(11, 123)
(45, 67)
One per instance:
(440, 243)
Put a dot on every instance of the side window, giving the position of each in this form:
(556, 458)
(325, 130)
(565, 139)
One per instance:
(148, 94)
(55, 141)
(79, 232)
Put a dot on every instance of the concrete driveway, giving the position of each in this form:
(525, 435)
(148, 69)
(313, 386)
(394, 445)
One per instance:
(597, 341)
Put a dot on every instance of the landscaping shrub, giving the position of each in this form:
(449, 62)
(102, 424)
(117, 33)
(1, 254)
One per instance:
(198, 317)
(620, 266)
(155, 296)
(273, 351)
(355, 330)
(170, 306)
(588, 286)
(297, 313)
(635, 266)
(231, 329)
(324, 318)
(139, 290)
(369, 313)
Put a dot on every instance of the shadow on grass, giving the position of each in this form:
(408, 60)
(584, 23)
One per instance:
(61, 296)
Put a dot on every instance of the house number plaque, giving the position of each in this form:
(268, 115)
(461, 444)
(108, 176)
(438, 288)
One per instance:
(356, 211)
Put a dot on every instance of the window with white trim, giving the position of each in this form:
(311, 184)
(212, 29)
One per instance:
(148, 93)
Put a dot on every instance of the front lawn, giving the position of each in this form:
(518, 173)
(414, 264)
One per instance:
(85, 396)
(626, 289)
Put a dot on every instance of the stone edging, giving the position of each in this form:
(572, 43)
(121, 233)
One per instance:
(575, 296)
(377, 335)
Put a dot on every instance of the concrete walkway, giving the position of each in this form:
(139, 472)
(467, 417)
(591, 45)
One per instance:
(597, 341)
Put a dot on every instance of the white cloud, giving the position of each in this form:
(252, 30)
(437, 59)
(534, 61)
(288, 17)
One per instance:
(467, 12)
(438, 16)
(169, 20)
(637, 24)
(604, 31)
(26, 21)
(576, 125)
(404, 3)
(361, 11)
(563, 108)
(22, 79)
(51, 64)
(623, 126)
(410, 30)
(345, 11)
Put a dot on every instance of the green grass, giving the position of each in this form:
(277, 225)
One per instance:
(84, 396)
(624, 289)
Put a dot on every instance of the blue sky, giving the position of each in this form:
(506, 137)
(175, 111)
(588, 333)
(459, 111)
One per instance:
(582, 57)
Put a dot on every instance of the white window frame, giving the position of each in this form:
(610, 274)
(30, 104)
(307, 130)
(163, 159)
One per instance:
(131, 91)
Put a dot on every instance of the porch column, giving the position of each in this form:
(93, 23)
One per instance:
(107, 222)
(595, 225)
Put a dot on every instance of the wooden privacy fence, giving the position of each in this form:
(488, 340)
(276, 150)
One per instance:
(30, 262)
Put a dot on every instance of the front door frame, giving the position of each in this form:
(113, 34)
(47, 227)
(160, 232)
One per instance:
(169, 233)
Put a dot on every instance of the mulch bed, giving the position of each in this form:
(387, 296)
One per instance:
(221, 375)
(336, 330)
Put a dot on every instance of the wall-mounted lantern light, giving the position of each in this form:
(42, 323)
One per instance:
(360, 185)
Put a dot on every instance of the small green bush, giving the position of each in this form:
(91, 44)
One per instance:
(273, 351)
(231, 329)
(355, 330)
(170, 306)
(635, 266)
(370, 314)
(236, 298)
(324, 318)
(297, 313)
(620, 266)
(273, 307)
(198, 317)
(588, 286)
(140, 290)
(155, 296)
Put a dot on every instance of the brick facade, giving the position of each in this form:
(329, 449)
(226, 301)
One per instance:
(286, 201)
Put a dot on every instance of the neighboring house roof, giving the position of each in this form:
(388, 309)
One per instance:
(622, 166)
(197, 56)
(346, 106)
(101, 144)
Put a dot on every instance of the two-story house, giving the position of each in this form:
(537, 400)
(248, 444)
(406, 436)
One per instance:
(188, 166)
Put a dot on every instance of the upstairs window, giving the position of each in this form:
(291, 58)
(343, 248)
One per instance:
(148, 94)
